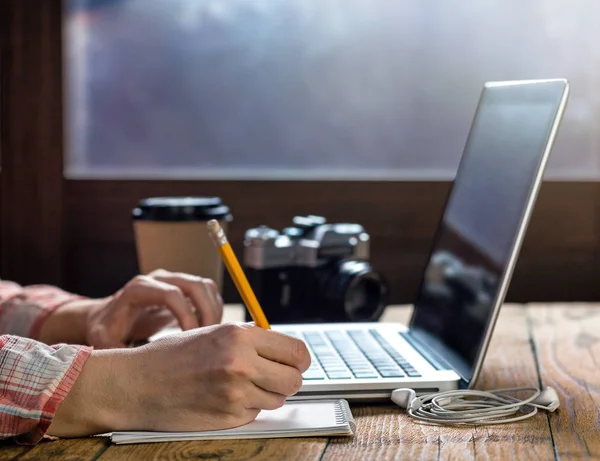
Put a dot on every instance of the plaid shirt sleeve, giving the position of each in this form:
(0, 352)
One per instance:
(24, 309)
(34, 377)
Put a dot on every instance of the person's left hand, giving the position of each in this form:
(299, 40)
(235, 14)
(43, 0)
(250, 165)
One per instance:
(144, 306)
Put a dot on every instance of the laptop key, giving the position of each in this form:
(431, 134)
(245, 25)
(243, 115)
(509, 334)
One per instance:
(384, 364)
(312, 376)
(365, 375)
(335, 369)
(392, 373)
(384, 371)
(339, 375)
(391, 366)
(361, 367)
(329, 358)
(361, 361)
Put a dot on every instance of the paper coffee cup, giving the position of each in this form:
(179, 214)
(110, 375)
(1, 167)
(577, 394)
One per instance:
(171, 234)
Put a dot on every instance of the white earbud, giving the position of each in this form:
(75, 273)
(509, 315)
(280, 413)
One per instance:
(548, 398)
(403, 397)
(475, 407)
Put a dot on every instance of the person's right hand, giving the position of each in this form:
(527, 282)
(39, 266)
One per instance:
(209, 378)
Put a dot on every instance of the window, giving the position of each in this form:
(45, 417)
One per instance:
(297, 89)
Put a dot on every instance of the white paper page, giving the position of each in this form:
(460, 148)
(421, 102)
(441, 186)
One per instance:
(291, 418)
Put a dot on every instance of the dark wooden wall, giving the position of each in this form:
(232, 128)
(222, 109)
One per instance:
(32, 184)
(559, 260)
(78, 233)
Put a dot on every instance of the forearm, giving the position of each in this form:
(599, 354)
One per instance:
(101, 399)
(67, 391)
(67, 323)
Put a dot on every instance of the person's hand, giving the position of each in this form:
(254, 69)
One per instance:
(210, 378)
(144, 306)
(149, 303)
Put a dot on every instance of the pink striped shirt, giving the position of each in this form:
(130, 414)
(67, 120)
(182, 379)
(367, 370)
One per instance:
(34, 377)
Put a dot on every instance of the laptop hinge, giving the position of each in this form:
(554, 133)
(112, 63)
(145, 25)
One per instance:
(428, 354)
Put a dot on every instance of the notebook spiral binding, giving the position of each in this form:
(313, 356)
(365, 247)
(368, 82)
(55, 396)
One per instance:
(343, 414)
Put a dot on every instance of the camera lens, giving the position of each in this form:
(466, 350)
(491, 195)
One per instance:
(354, 291)
(363, 298)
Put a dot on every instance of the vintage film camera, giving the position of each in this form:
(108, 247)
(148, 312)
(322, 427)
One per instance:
(314, 271)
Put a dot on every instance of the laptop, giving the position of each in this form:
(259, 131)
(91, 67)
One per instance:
(467, 275)
(474, 252)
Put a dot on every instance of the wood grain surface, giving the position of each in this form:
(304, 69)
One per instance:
(568, 351)
(390, 434)
(555, 345)
(9, 451)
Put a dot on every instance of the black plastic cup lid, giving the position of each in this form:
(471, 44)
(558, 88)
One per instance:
(181, 209)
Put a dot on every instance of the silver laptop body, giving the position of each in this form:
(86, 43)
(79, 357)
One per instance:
(471, 262)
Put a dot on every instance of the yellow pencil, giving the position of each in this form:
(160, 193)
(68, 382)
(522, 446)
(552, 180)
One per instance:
(237, 274)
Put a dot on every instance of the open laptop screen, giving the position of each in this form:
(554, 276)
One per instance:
(478, 236)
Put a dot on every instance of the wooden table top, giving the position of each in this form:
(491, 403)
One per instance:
(555, 345)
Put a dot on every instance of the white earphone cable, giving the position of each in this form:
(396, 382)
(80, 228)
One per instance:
(460, 407)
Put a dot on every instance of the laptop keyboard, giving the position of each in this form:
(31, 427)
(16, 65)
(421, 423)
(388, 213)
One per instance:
(360, 354)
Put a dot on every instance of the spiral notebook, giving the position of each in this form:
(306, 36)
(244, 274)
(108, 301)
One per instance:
(307, 418)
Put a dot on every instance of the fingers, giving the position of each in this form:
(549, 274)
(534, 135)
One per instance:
(267, 384)
(208, 302)
(203, 293)
(147, 291)
(263, 400)
(281, 348)
(213, 290)
(276, 378)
